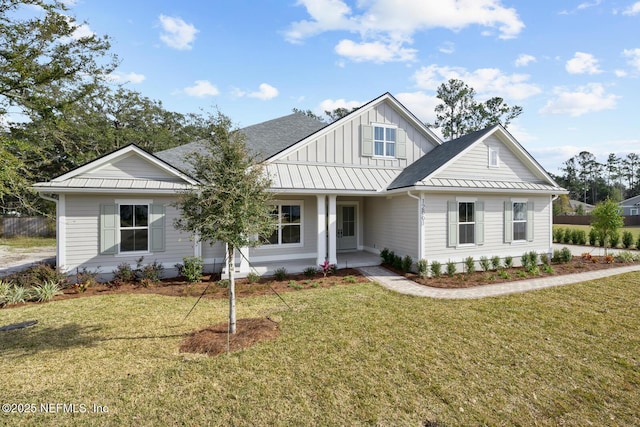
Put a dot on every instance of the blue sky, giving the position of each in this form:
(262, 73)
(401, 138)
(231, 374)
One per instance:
(573, 66)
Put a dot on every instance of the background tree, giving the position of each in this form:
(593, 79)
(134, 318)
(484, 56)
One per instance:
(606, 219)
(333, 115)
(231, 204)
(460, 114)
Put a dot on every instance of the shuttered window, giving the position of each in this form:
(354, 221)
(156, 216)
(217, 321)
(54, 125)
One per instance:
(128, 228)
(383, 141)
(466, 223)
(518, 221)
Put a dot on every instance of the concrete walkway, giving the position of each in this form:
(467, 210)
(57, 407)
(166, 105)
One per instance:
(402, 285)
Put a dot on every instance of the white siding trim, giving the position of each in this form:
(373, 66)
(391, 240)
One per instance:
(61, 233)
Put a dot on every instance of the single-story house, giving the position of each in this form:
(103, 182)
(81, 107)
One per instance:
(376, 178)
(631, 206)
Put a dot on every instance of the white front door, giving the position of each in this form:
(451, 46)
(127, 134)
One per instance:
(346, 235)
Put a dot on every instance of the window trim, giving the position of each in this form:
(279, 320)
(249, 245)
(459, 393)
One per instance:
(524, 221)
(384, 142)
(496, 151)
(134, 202)
(467, 223)
(280, 203)
(634, 211)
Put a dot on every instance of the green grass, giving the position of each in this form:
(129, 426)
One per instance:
(635, 229)
(27, 242)
(347, 355)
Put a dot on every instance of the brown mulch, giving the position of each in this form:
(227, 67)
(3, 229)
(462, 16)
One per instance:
(215, 339)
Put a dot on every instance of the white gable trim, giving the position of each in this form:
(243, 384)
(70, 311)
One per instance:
(387, 97)
(121, 153)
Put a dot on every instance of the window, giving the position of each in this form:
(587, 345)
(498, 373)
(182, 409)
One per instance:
(633, 211)
(288, 218)
(134, 228)
(466, 223)
(519, 221)
(494, 157)
(384, 141)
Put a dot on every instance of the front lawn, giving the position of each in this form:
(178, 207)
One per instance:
(346, 355)
(27, 242)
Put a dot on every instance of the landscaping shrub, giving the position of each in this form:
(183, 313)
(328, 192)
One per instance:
(436, 269)
(558, 234)
(495, 262)
(579, 237)
(484, 263)
(385, 255)
(310, 271)
(593, 236)
(525, 261)
(45, 292)
(327, 268)
(638, 243)
(407, 262)
(123, 274)
(253, 277)
(36, 274)
(451, 268)
(423, 268)
(614, 239)
(470, 265)
(544, 259)
(151, 272)
(85, 278)
(601, 237)
(191, 270)
(565, 255)
(224, 283)
(568, 234)
(624, 257)
(508, 261)
(18, 295)
(5, 287)
(280, 274)
(627, 239)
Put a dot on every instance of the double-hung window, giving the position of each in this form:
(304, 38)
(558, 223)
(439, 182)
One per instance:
(288, 219)
(466, 223)
(519, 221)
(134, 228)
(384, 141)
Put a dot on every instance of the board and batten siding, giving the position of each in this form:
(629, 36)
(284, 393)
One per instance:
(309, 232)
(342, 145)
(436, 246)
(475, 165)
(131, 166)
(391, 223)
(82, 241)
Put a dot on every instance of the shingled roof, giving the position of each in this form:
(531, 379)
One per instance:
(264, 139)
(436, 158)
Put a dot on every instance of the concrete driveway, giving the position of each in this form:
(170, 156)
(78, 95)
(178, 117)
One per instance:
(12, 259)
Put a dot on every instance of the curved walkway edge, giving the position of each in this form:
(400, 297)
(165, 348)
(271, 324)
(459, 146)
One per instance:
(403, 285)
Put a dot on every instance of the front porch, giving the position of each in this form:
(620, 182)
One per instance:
(296, 266)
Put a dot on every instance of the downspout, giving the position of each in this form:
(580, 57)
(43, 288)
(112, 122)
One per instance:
(420, 225)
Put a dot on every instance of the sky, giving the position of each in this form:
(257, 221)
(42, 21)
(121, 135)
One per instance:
(573, 66)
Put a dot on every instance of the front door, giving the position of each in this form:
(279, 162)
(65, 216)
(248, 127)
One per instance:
(346, 228)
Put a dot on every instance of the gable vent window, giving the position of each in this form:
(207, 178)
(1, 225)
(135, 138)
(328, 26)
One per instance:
(494, 157)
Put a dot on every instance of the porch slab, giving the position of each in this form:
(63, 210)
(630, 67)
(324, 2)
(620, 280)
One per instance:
(345, 260)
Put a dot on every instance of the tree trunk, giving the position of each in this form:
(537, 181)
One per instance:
(231, 266)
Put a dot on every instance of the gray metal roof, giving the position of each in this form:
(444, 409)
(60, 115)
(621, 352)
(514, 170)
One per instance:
(113, 184)
(436, 158)
(264, 139)
(329, 177)
(488, 185)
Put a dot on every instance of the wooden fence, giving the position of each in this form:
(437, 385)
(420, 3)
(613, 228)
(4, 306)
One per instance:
(586, 220)
(13, 226)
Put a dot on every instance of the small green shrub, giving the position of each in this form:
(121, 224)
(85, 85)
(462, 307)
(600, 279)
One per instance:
(349, 279)
(558, 234)
(224, 283)
(593, 237)
(451, 268)
(565, 255)
(495, 262)
(579, 237)
(253, 277)
(151, 272)
(397, 262)
(280, 274)
(123, 274)
(5, 288)
(36, 274)
(624, 257)
(315, 284)
(18, 295)
(504, 274)
(310, 271)
(529, 260)
(547, 268)
(407, 263)
(45, 292)
(568, 234)
(544, 259)
(484, 263)
(508, 261)
(469, 265)
(436, 269)
(423, 268)
(627, 239)
(384, 254)
(614, 239)
(191, 270)
(85, 278)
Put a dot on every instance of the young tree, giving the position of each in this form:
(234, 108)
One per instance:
(460, 114)
(231, 204)
(606, 220)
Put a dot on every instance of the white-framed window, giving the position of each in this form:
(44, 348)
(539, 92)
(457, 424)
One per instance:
(633, 211)
(519, 221)
(134, 227)
(384, 141)
(288, 218)
(466, 223)
(494, 157)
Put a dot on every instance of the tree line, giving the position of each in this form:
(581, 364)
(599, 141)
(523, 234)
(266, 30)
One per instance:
(590, 181)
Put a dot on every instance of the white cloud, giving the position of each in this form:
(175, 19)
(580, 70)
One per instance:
(487, 82)
(582, 63)
(332, 104)
(586, 99)
(387, 23)
(202, 88)
(265, 92)
(177, 33)
(523, 60)
(118, 77)
(377, 52)
(447, 47)
(420, 104)
(620, 73)
(634, 57)
(632, 10)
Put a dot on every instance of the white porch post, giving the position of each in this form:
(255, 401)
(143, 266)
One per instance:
(61, 233)
(322, 229)
(244, 260)
(333, 259)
